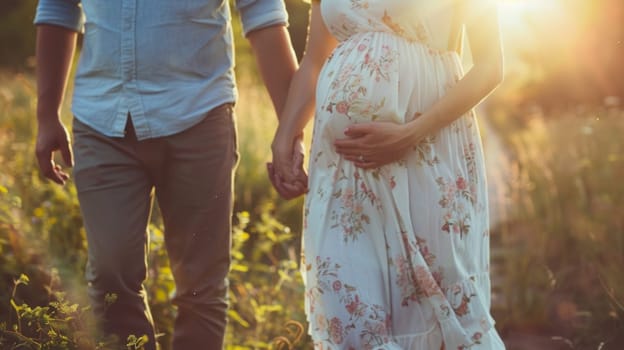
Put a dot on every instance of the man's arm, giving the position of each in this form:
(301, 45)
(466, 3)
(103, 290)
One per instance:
(277, 64)
(54, 51)
(276, 61)
(264, 24)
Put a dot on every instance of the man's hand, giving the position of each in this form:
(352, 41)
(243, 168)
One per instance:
(286, 172)
(52, 136)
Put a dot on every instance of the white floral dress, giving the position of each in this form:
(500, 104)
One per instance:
(395, 257)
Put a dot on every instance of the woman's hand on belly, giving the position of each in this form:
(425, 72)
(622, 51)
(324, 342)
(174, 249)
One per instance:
(371, 145)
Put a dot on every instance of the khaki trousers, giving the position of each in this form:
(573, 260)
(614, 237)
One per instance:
(191, 174)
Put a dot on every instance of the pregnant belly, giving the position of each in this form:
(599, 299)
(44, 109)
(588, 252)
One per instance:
(359, 83)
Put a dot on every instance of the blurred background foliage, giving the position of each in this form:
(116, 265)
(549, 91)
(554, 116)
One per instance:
(17, 32)
(552, 133)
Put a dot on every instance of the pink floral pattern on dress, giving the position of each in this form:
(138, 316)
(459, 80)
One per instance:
(356, 200)
(350, 97)
(425, 151)
(458, 196)
(471, 161)
(370, 322)
(476, 340)
(414, 281)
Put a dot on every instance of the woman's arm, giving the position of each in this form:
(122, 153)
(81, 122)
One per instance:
(382, 143)
(287, 168)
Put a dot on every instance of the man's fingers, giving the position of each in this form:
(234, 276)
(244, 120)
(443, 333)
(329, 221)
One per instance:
(288, 187)
(46, 164)
(66, 153)
(297, 160)
(60, 174)
(275, 181)
(297, 165)
(270, 170)
(50, 138)
(291, 191)
(56, 175)
(287, 173)
(48, 168)
(285, 190)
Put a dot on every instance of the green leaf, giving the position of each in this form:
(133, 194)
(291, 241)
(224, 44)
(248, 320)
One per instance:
(240, 268)
(235, 316)
(23, 279)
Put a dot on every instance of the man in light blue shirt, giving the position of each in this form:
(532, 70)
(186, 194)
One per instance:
(152, 109)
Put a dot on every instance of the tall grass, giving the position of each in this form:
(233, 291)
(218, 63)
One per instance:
(562, 250)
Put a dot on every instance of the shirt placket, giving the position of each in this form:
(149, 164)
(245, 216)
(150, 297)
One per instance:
(130, 100)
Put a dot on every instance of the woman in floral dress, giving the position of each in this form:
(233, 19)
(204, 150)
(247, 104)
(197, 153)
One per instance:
(396, 246)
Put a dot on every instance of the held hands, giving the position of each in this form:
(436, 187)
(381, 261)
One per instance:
(371, 145)
(286, 171)
(52, 136)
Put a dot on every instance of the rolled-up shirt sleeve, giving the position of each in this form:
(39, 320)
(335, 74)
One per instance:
(256, 14)
(64, 13)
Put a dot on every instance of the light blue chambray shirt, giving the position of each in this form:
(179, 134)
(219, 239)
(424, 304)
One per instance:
(166, 62)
